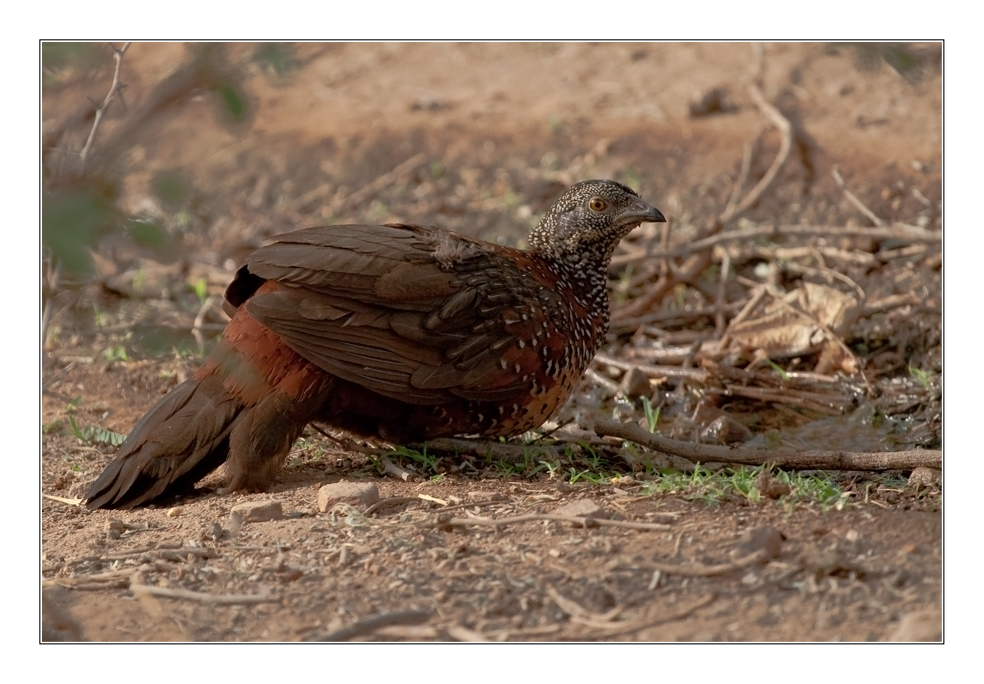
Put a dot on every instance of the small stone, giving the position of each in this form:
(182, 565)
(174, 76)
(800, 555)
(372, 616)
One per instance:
(362, 494)
(258, 511)
(173, 512)
(480, 496)
(114, 528)
(923, 625)
(765, 538)
(635, 383)
(770, 488)
(725, 430)
(583, 508)
(718, 426)
(925, 477)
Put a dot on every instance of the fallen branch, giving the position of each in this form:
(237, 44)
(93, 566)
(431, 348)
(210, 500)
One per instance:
(609, 630)
(901, 232)
(746, 166)
(827, 406)
(485, 448)
(576, 610)
(61, 499)
(678, 317)
(507, 634)
(391, 501)
(786, 458)
(216, 599)
(409, 632)
(394, 470)
(694, 374)
(463, 634)
(208, 305)
(369, 625)
(785, 145)
(700, 569)
(444, 521)
(852, 198)
(89, 581)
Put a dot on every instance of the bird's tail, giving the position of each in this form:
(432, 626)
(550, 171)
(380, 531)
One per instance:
(246, 405)
(180, 440)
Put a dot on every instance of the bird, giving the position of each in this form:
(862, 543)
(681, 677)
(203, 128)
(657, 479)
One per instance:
(396, 332)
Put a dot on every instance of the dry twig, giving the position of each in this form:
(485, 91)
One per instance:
(369, 625)
(216, 599)
(576, 610)
(898, 232)
(852, 198)
(693, 374)
(485, 448)
(700, 569)
(785, 145)
(114, 90)
(785, 458)
(609, 630)
(699, 261)
(444, 521)
(462, 633)
(365, 192)
(394, 470)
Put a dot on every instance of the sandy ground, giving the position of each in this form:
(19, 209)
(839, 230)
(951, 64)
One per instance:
(492, 132)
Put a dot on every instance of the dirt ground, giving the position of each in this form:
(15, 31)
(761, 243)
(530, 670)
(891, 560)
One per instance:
(478, 138)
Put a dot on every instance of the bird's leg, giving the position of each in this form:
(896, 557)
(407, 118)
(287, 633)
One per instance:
(260, 441)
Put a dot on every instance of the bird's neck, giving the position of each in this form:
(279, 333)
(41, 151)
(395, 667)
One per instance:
(585, 274)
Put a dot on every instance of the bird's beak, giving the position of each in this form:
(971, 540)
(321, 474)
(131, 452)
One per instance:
(642, 213)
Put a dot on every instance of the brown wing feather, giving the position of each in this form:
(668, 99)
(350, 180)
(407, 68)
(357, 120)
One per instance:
(411, 313)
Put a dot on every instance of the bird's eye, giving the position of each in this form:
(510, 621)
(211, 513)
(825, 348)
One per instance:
(597, 204)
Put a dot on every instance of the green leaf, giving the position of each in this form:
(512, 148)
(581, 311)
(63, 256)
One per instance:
(233, 99)
(72, 222)
(171, 188)
(778, 369)
(280, 58)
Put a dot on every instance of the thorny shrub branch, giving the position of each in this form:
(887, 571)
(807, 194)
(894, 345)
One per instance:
(114, 90)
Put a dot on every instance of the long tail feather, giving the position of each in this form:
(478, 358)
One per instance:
(181, 439)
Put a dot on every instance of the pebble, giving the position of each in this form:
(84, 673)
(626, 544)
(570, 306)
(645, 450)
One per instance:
(114, 528)
(635, 384)
(725, 430)
(923, 625)
(362, 494)
(583, 508)
(766, 538)
(925, 477)
(482, 497)
(770, 488)
(258, 511)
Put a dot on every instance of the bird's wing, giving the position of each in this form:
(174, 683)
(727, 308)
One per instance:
(419, 315)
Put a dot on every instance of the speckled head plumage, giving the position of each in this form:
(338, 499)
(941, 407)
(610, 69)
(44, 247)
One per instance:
(589, 219)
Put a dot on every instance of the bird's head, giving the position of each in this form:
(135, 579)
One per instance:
(591, 217)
